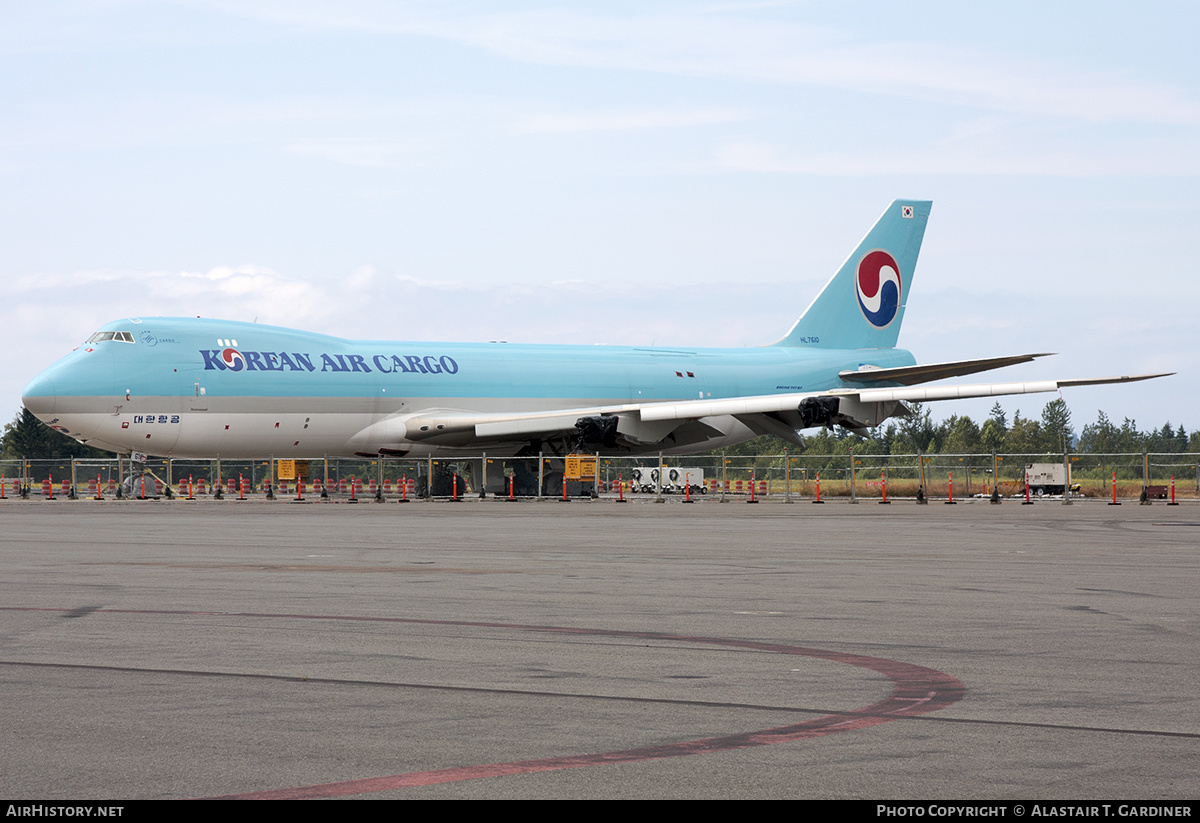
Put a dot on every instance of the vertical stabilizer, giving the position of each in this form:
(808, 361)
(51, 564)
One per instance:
(862, 306)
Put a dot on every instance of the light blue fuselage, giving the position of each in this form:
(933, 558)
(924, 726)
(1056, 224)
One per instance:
(193, 387)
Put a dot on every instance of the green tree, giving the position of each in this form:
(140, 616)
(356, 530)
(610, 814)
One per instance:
(25, 436)
(916, 432)
(1099, 437)
(997, 415)
(1057, 434)
(962, 436)
(28, 437)
(1129, 439)
(1024, 436)
(991, 436)
(1165, 440)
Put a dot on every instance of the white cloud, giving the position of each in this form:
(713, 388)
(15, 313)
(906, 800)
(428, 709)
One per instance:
(628, 120)
(734, 43)
(967, 154)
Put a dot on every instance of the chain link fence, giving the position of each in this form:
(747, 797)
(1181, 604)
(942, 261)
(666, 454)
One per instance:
(783, 476)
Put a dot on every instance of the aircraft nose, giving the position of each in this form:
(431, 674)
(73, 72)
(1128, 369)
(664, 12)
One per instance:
(40, 396)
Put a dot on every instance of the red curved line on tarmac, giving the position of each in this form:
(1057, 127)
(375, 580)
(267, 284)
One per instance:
(917, 690)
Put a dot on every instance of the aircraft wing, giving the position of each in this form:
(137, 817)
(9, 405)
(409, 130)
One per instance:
(784, 402)
(782, 414)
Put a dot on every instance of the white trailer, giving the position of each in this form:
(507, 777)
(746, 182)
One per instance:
(1046, 478)
(675, 480)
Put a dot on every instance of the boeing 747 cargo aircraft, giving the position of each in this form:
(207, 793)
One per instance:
(189, 387)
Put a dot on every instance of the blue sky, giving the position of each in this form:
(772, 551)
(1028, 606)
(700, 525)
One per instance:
(628, 173)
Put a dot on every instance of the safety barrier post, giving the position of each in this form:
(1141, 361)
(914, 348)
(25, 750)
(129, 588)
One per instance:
(241, 487)
(512, 484)
(454, 486)
(1066, 479)
(921, 500)
(658, 483)
(99, 495)
(883, 485)
(48, 487)
(950, 500)
(724, 475)
(620, 489)
(787, 477)
(1027, 502)
(353, 497)
(403, 489)
(1145, 500)
(191, 489)
(564, 497)
(1172, 503)
(299, 490)
(3, 496)
(853, 492)
(687, 491)
(1114, 482)
(818, 500)
(752, 484)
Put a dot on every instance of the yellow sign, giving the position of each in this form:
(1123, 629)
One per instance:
(287, 469)
(580, 467)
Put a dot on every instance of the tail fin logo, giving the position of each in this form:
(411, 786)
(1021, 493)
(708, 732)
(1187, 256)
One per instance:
(878, 287)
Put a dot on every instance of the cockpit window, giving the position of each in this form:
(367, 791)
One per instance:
(119, 336)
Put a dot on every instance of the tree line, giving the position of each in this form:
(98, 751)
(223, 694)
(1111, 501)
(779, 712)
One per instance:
(1051, 433)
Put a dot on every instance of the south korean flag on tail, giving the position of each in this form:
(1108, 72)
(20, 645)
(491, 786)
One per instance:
(906, 211)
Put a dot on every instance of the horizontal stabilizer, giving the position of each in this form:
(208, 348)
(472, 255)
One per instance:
(912, 375)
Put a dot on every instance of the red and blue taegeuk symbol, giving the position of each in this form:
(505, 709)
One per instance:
(233, 359)
(878, 287)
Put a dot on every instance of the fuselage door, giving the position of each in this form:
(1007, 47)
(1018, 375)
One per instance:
(196, 393)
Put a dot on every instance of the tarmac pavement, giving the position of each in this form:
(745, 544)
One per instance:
(176, 649)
